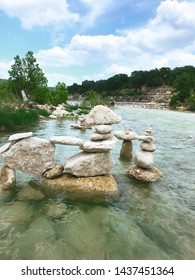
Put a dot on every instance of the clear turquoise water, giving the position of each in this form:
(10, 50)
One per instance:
(147, 221)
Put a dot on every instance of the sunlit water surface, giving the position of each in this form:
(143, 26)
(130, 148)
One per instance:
(147, 221)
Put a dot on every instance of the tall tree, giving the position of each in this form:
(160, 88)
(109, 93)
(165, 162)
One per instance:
(60, 94)
(25, 74)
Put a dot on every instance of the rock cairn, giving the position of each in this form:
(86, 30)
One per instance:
(96, 158)
(127, 135)
(144, 159)
(37, 156)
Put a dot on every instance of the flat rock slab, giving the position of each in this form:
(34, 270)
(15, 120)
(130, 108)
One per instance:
(19, 136)
(67, 140)
(31, 155)
(5, 147)
(150, 175)
(145, 138)
(99, 146)
(125, 135)
(91, 189)
(102, 115)
(98, 137)
(89, 164)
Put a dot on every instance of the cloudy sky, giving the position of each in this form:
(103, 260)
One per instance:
(77, 40)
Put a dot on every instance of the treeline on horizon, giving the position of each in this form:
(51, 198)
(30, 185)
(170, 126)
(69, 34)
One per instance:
(26, 74)
(164, 76)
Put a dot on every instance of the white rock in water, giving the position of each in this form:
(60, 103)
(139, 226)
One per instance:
(126, 135)
(103, 129)
(145, 138)
(148, 146)
(59, 113)
(19, 136)
(7, 178)
(53, 117)
(31, 155)
(67, 140)
(89, 164)
(5, 147)
(102, 115)
(144, 159)
(99, 146)
(98, 137)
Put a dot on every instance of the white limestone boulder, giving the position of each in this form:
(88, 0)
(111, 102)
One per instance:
(99, 146)
(144, 159)
(67, 140)
(98, 137)
(89, 164)
(145, 138)
(31, 155)
(150, 147)
(7, 178)
(102, 115)
(60, 113)
(125, 135)
(19, 136)
(53, 117)
(103, 129)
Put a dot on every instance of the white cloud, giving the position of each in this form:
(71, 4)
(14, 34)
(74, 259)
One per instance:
(39, 12)
(172, 28)
(96, 9)
(166, 40)
(54, 78)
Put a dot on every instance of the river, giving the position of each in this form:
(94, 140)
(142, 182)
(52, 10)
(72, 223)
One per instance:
(147, 221)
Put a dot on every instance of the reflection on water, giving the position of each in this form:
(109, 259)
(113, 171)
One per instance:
(147, 221)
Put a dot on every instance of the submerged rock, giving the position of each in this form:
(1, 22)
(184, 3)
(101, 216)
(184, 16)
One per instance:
(31, 155)
(89, 164)
(90, 188)
(28, 193)
(7, 178)
(151, 174)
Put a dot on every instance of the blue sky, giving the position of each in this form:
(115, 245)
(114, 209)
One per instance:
(77, 40)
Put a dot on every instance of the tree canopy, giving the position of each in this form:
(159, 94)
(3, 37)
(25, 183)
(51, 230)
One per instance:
(25, 74)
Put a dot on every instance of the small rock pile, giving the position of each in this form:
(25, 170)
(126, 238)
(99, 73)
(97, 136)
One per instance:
(144, 159)
(127, 135)
(96, 158)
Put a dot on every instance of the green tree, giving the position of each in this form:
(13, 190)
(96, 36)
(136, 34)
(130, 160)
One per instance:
(60, 94)
(182, 86)
(25, 74)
